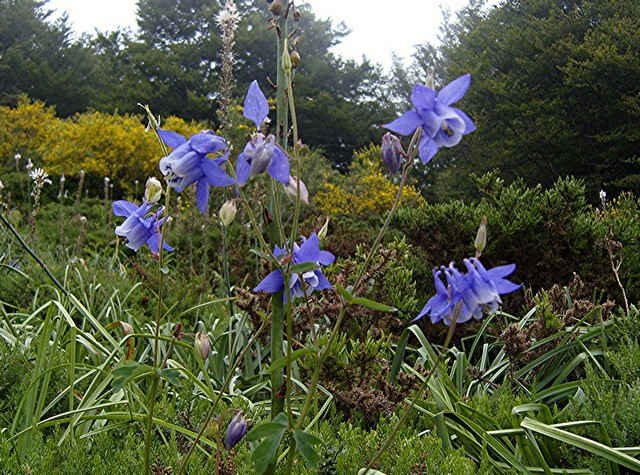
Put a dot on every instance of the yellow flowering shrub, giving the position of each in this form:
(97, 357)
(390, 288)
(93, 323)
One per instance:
(22, 130)
(113, 145)
(365, 190)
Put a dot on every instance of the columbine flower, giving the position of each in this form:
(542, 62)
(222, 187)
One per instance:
(140, 227)
(392, 152)
(300, 285)
(291, 189)
(236, 431)
(188, 163)
(442, 125)
(261, 153)
(469, 295)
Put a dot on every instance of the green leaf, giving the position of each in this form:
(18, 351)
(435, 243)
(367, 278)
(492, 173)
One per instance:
(398, 358)
(128, 372)
(303, 267)
(370, 304)
(271, 433)
(172, 375)
(282, 362)
(583, 443)
(304, 445)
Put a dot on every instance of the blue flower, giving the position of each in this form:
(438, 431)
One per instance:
(304, 284)
(469, 295)
(188, 163)
(442, 125)
(261, 152)
(235, 431)
(140, 227)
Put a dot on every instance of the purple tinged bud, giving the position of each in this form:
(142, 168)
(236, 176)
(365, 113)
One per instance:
(235, 431)
(392, 152)
(203, 345)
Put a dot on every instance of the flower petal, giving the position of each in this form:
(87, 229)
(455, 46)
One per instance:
(215, 175)
(171, 139)
(405, 124)
(207, 142)
(309, 251)
(455, 90)
(123, 208)
(469, 126)
(427, 149)
(272, 283)
(243, 169)
(279, 167)
(256, 107)
(423, 97)
(202, 195)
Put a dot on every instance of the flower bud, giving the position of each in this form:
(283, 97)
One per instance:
(275, 7)
(295, 58)
(292, 189)
(235, 431)
(202, 345)
(153, 190)
(392, 152)
(481, 237)
(228, 212)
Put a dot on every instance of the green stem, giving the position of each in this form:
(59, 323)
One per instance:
(156, 337)
(412, 152)
(35, 257)
(277, 337)
(225, 384)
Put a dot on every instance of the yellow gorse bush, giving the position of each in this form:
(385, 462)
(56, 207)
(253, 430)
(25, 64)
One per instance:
(365, 190)
(113, 145)
(22, 129)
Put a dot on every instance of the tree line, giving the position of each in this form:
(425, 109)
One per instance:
(555, 89)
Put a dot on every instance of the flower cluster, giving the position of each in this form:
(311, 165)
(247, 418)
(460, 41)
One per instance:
(442, 125)
(467, 295)
(304, 284)
(141, 226)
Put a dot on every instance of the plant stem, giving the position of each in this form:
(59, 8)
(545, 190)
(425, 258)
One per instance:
(225, 383)
(30, 251)
(277, 378)
(156, 338)
(412, 152)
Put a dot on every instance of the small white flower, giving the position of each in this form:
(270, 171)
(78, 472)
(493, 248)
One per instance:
(603, 197)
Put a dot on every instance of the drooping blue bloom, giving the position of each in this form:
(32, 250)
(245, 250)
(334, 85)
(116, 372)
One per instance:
(140, 227)
(235, 431)
(442, 125)
(188, 163)
(305, 284)
(261, 152)
(467, 295)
